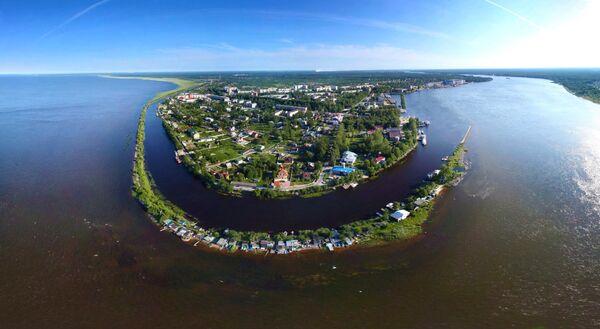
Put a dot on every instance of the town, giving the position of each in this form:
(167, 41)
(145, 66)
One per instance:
(304, 139)
(307, 138)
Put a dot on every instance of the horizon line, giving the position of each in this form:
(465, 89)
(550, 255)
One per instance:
(302, 70)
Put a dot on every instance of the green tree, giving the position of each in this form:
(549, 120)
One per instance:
(335, 154)
(320, 149)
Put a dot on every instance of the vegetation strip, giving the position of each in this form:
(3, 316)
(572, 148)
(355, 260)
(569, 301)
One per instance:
(398, 220)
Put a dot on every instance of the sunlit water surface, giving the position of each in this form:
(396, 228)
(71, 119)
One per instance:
(515, 245)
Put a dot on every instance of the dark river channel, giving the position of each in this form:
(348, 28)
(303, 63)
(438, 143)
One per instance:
(516, 245)
(331, 210)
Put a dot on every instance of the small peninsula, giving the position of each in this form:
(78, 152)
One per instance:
(281, 140)
(401, 219)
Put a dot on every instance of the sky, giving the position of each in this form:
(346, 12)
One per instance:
(87, 36)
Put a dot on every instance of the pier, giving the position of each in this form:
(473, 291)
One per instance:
(464, 139)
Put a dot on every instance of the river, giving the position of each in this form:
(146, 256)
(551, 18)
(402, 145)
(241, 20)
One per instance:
(330, 210)
(515, 245)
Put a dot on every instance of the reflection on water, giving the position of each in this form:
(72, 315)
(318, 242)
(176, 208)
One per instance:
(515, 245)
(587, 158)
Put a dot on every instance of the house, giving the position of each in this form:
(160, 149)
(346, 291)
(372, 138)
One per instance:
(193, 133)
(222, 242)
(289, 110)
(335, 118)
(400, 214)
(292, 244)
(380, 159)
(280, 245)
(222, 174)
(348, 157)
(250, 105)
(219, 98)
(241, 141)
(395, 134)
(253, 134)
(421, 201)
(230, 90)
(281, 180)
(288, 160)
(341, 171)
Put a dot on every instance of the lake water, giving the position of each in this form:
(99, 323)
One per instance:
(515, 245)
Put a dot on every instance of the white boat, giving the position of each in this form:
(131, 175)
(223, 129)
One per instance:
(424, 140)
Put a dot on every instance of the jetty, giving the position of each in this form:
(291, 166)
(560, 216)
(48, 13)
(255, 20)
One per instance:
(464, 139)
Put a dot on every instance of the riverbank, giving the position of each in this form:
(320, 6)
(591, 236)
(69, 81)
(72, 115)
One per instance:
(397, 220)
(143, 186)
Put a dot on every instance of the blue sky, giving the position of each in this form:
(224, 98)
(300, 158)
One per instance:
(134, 36)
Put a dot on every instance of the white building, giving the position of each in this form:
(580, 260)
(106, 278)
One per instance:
(349, 157)
(400, 215)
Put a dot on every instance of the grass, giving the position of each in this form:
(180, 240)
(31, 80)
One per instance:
(143, 187)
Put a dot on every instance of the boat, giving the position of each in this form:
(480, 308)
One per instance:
(177, 158)
(424, 140)
(445, 158)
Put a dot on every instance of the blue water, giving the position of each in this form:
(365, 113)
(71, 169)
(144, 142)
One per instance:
(515, 245)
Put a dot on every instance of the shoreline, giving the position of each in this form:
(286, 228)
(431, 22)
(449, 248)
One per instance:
(359, 233)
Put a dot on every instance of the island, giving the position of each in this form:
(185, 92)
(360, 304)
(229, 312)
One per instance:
(270, 150)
